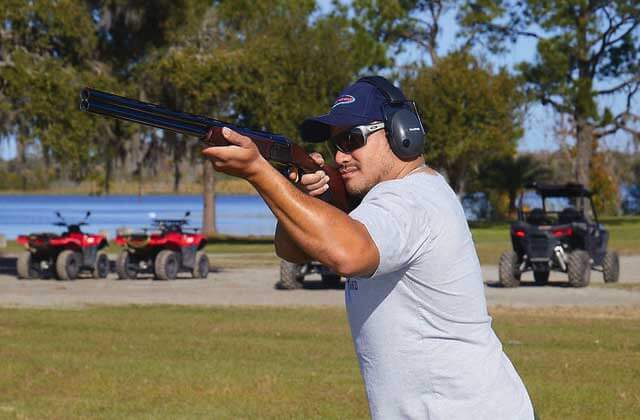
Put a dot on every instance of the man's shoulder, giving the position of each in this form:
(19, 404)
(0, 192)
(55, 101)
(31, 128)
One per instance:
(418, 184)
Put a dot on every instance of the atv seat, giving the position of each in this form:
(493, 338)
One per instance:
(569, 215)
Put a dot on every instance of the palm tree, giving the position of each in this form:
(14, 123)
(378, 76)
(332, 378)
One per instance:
(511, 174)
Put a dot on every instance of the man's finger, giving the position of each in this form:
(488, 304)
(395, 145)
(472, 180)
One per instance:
(313, 178)
(316, 185)
(317, 158)
(212, 152)
(319, 191)
(235, 138)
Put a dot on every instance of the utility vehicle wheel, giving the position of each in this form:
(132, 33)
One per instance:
(541, 277)
(611, 267)
(290, 277)
(508, 270)
(166, 265)
(67, 265)
(26, 267)
(579, 268)
(201, 269)
(124, 267)
(331, 281)
(101, 267)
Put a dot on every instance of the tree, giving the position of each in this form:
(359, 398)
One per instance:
(44, 61)
(265, 65)
(471, 114)
(586, 51)
(401, 22)
(511, 174)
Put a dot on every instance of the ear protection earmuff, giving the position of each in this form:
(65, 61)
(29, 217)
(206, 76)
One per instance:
(402, 124)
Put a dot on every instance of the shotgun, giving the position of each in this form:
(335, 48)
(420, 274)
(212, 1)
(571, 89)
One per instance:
(274, 147)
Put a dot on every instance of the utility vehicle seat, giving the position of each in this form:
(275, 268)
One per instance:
(537, 217)
(569, 215)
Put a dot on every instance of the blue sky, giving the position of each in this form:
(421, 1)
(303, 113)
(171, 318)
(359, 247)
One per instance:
(539, 121)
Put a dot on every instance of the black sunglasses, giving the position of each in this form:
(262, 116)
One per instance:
(356, 137)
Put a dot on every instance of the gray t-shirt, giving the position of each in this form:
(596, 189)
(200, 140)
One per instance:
(420, 324)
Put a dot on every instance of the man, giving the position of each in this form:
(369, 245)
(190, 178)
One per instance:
(414, 296)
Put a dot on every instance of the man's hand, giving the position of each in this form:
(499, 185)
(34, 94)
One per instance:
(241, 158)
(315, 183)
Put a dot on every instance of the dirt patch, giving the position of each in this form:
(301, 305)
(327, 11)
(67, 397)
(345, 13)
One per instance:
(255, 286)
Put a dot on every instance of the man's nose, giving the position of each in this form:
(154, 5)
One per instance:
(342, 158)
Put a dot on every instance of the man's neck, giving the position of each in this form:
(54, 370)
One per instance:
(410, 167)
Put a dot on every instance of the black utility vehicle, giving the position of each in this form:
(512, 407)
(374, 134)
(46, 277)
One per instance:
(292, 275)
(557, 230)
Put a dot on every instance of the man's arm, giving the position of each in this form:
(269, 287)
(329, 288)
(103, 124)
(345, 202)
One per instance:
(322, 232)
(314, 184)
(287, 249)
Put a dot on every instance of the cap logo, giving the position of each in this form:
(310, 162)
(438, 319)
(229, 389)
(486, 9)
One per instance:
(343, 100)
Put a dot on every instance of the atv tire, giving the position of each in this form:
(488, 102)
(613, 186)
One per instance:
(611, 267)
(124, 270)
(101, 267)
(68, 265)
(26, 267)
(331, 281)
(201, 268)
(541, 277)
(166, 265)
(579, 268)
(509, 270)
(290, 277)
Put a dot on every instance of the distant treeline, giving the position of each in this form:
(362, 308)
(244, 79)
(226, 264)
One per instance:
(269, 64)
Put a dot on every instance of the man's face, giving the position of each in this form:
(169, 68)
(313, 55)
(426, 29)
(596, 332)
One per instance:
(366, 166)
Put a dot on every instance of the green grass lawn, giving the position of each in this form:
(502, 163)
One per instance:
(491, 240)
(195, 362)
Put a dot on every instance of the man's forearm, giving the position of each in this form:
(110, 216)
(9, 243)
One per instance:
(287, 248)
(323, 232)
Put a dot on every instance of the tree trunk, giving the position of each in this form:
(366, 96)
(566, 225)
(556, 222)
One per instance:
(457, 180)
(22, 163)
(177, 150)
(208, 198)
(108, 172)
(584, 148)
(512, 202)
(584, 105)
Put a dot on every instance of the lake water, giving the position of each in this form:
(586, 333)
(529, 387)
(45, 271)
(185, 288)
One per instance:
(235, 215)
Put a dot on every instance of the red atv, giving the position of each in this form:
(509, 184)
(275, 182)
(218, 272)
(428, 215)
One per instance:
(63, 256)
(164, 251)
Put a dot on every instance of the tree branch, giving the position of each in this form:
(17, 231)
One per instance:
(618, 87)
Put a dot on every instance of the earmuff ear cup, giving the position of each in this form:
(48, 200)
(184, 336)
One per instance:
(405, 132)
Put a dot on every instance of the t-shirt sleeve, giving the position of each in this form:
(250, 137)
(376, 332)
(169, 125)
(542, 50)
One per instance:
(395, 223)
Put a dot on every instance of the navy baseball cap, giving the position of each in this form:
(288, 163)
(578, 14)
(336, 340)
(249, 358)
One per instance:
(359, 104)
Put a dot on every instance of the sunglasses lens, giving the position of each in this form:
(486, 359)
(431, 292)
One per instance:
(349, 141)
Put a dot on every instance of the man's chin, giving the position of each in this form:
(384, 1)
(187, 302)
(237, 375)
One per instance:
(356, 190)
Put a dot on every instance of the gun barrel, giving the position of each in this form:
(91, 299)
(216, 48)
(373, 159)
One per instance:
(273, 147)
(153, 120)
(145, 113)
